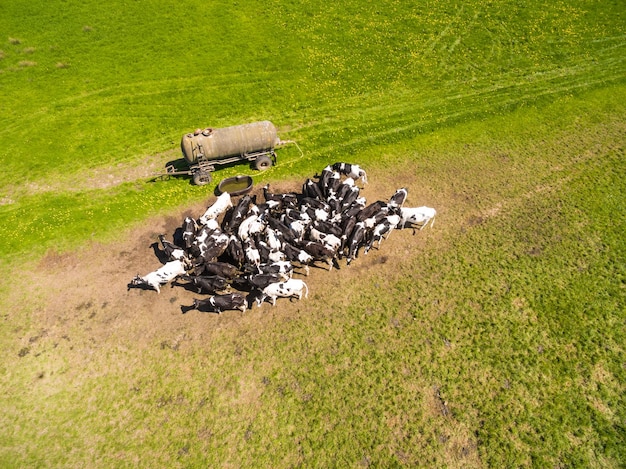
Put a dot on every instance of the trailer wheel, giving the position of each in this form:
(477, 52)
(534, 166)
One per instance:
(201, 178)
(262, 163)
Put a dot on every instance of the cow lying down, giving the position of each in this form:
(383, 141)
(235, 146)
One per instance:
(292, 288)
(219, 303)
(161, 276)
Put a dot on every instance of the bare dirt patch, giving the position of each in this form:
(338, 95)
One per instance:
(87, 290)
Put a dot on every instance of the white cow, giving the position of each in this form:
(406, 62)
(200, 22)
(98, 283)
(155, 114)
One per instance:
(244, 228)
(161, 276)
(222, 203)
(292, 288)
(417, 216)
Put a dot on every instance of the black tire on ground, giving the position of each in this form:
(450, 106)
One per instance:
(263, 162)
(201, 178)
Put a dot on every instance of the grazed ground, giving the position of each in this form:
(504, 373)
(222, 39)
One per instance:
(89, 287)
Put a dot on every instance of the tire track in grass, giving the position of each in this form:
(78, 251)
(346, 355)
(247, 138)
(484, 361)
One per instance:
(145, 88)
(537, 82)
(455, 21)
(387, 114)
(399, 120)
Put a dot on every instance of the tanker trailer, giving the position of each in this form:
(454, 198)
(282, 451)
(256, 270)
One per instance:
(205, 148)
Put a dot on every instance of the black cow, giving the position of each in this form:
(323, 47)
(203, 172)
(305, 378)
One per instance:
(312, 190)
(358, 239)
(397, 199)
(223, 269)
(208, 284)
(371, 210)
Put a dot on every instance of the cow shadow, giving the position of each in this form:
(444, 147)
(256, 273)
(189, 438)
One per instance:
(140, 286)
(188, 286)
(185, 309)
(159, 253)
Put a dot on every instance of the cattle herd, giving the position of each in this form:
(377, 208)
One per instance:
(248, 251)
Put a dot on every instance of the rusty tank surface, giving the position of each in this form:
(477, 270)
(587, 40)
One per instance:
(238, 140)
(205, 148)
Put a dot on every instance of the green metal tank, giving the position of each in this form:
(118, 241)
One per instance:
(238, 140)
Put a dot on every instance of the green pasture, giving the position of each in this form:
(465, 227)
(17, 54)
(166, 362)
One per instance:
(499, 342)
(100, 85)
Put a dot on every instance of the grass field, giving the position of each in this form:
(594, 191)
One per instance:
(496, 339)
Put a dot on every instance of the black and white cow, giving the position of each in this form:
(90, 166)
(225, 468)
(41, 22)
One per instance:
(267, 253)
(315, 209)
(283, 268)
(327, 227)
(324, 180)
(372, 210)
(243, 231)
(311, 189)
(382, 231)
(327, 239)
(319, 252)
(351, 170)
(235, 250)
(219, 303)
(260, 281)
(289, 199)
(275, 238)
(295, 254)
(215, 245)
(238, 214)
(171, 251)
(286, 233)
(251, 253)
(201, 240)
